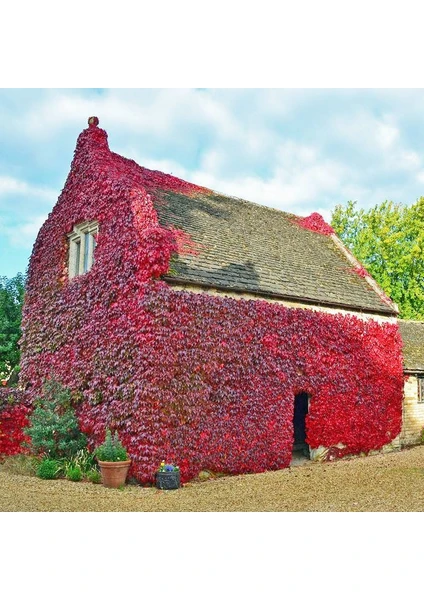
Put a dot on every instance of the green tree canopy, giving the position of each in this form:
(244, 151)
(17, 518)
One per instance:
(11, 300)
(388, 239)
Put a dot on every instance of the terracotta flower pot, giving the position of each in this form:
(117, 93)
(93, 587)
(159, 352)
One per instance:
(114, 474)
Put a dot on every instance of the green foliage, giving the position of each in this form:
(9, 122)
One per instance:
(94, 476)
(74, 473)
(54, 429)
(388, 239)
(20, 464)
(82, 460)
(11, 300)
(111, 450)
(48, 469)
(85, 460)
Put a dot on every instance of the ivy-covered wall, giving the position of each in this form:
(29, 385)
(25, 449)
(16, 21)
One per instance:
(14, 411)
(207, 382)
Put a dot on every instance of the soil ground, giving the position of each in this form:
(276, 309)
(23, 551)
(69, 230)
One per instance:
(390, 482)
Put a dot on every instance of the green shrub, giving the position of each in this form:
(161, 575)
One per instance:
(111, 450)
(54, 429)
(94, 476)
(48, 469)
(74, 474)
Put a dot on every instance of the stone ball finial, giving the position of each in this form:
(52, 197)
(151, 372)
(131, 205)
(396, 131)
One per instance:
(93, 121)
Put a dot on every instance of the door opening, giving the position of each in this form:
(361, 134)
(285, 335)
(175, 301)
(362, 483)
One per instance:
(301, 406)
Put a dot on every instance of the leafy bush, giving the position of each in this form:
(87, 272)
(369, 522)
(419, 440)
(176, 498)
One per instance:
(48, 469)
(74, 473)
(54, 429)
(94, 476)
(111, 450)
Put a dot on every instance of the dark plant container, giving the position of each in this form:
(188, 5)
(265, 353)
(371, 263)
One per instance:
(167, 480)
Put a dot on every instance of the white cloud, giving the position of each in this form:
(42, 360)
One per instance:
(300, 177)
(385, 135)
(11, 186)
(408, 160)
(159, 112)
(22, 235)
(212, 161)
(363, 129)
(165, 166)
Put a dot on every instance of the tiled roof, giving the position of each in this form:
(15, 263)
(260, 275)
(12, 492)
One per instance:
(247, 247)
(412, 333)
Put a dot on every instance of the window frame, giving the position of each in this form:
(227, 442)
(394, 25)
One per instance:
(82, 244)
(420, 389)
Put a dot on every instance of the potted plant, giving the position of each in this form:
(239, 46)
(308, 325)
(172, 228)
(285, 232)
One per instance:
(113, 461)
(168, 477)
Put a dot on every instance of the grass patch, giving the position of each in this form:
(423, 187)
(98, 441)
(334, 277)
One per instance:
(20, 464)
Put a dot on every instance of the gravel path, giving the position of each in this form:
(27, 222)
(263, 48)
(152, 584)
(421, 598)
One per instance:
(391, 482)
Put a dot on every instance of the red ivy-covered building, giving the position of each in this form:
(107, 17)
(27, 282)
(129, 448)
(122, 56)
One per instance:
(209, 331)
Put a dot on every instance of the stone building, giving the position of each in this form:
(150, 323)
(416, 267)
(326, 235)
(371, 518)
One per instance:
(413, 405)
(206, 329)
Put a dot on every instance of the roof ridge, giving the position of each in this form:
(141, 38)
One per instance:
(272, 208)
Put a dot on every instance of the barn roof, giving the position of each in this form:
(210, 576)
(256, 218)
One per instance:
(241, 246)
(412, 333)
(247, 247)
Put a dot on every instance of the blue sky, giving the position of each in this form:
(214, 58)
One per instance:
(300, 150)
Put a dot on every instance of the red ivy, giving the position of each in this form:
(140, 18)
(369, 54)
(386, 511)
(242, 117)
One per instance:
(13, 418)
(316, 223)
(204, 382)
(361, 271)
(185, 244)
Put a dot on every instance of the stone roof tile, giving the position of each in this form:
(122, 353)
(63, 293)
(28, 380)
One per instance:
(253, 248)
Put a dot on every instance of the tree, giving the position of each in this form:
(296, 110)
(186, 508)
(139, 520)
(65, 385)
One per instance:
(388, 239)
(11, 300)
(54, 429)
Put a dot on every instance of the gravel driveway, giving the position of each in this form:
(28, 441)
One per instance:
(391, 482)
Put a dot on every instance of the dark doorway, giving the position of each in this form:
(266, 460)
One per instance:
(301, 405)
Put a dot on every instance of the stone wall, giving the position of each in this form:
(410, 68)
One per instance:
(413, 413)
(198, 289)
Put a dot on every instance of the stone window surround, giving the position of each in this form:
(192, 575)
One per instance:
(420, 386)
(77, 250)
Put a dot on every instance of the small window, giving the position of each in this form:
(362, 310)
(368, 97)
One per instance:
(420, 381)
(82, 243)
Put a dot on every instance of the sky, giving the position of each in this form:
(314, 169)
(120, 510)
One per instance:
(299, 150)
